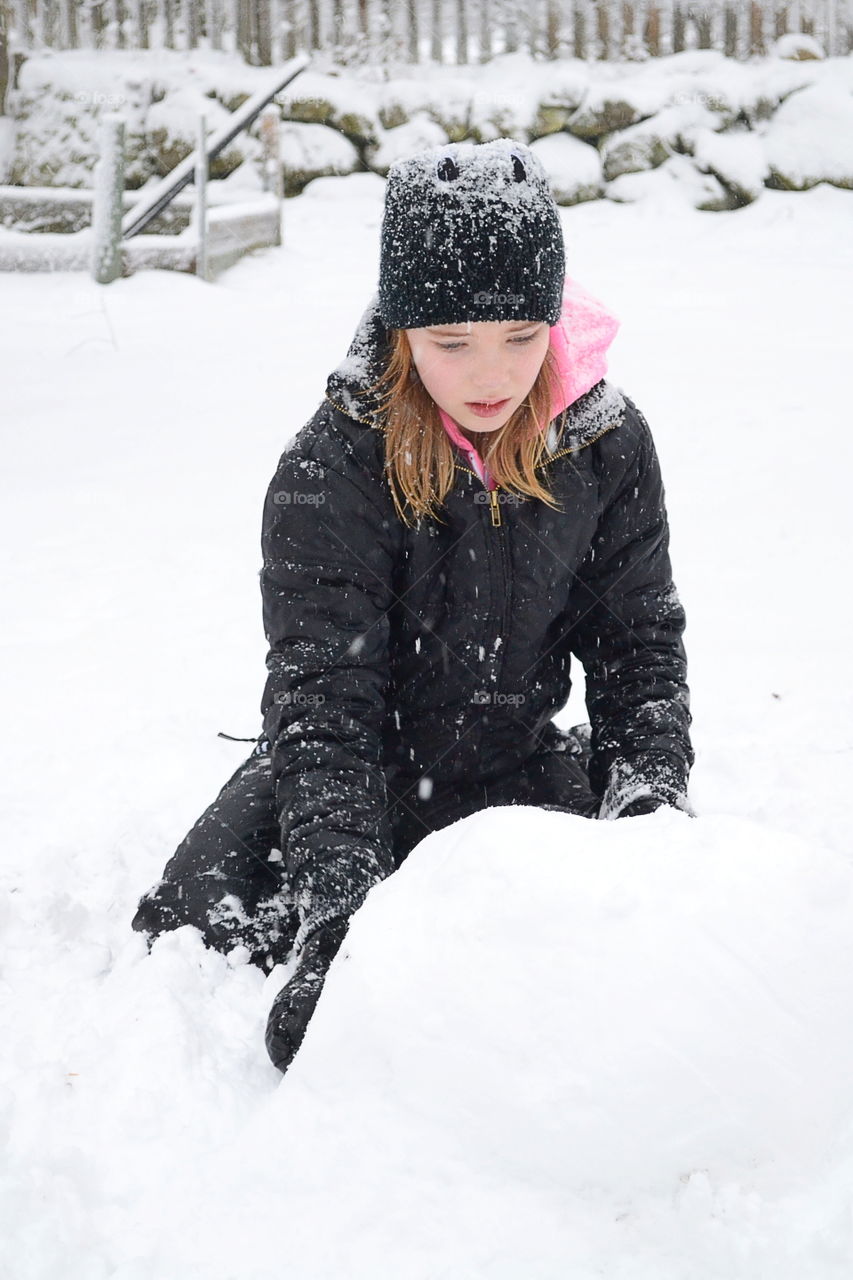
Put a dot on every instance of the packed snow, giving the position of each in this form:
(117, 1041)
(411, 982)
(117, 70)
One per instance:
(550, 1046)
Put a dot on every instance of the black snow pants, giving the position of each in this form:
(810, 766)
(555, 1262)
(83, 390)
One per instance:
(227, 875)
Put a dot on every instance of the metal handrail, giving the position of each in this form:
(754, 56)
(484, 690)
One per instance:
(155, 200)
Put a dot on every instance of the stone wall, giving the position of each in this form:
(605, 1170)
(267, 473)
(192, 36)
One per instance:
(730, 129)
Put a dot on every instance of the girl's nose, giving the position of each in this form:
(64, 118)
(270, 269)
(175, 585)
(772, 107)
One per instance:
(490, 377)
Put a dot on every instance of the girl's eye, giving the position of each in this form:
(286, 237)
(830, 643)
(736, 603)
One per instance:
(456, 346)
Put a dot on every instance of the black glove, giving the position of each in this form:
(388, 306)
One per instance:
(295, 1003)
(645, 804)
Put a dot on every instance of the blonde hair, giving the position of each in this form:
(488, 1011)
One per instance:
(419, 457)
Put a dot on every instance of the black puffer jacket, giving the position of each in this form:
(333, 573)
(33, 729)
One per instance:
(442, 650)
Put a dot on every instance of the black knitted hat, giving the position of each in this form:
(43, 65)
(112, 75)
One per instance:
(470, 232)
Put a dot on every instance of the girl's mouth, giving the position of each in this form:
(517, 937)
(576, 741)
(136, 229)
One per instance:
(486, 408)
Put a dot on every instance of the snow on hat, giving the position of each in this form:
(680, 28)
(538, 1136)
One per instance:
(470, 232)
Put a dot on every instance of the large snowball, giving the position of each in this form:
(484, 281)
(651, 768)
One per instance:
(595, 1006)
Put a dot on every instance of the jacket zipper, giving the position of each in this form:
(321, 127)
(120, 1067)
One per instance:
(494, 501)
(495, 510)
(503, 555)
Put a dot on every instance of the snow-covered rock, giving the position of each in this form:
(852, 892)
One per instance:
(172, 128)
(507, 96)
(447, 101)
(678, 181)
(7, 147)
(810, 140)
(417, 134)
(799, 47)
(612, 105)
(721, 95)
(338, 120)
(651, 142)
(337, 100)
(772, 82)
(573, 167)
(62, 96)
(550, 118)
(737, 157)
(562, 89)
(498, 113)
(58, 105)
(639, 147)
(310, 151)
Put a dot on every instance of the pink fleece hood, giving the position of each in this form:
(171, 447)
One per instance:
(579, 340)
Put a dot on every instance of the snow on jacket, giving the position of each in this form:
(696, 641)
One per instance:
(443, 649)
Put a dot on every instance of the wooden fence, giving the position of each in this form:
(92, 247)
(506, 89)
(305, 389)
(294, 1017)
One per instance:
(266, 32)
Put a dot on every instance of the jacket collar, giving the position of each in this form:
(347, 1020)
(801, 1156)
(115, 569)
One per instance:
(580, 341)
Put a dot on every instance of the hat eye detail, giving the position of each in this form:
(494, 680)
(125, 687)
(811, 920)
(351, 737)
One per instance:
(447, 169)
(519, 172)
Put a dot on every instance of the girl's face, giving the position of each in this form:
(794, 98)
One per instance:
(480, 372)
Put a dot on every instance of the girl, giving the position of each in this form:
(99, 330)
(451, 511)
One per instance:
(471, 505)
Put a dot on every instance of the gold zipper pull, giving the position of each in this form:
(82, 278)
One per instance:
(496, 508)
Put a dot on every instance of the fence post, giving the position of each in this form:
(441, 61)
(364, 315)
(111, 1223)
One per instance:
(651, 29)
(142, 26)
(461, 33)
(315, 41)
(273, 177)
(484, 34)
(291, 28)
(414, 28)
(510, 26)
(191, 18)
(552, 29)
(98, 27)
(200, 211)
(436, 47)
(4, 57)
(579, 30)
(831, 29)
(244, 30)
(107, 201)
(263, 31)
(169, 24)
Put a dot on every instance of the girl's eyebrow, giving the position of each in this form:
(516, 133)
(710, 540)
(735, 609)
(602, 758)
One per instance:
(459, 333)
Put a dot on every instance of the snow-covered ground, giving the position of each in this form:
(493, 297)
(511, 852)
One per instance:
(551, 1047)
